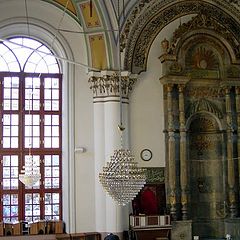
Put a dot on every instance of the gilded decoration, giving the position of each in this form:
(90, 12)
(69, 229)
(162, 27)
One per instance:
(140, 39)
(90, 15)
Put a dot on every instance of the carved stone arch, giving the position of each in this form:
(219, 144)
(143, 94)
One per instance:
(140, 41)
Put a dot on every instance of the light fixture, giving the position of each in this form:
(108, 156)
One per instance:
(30, 174)
(121, 178)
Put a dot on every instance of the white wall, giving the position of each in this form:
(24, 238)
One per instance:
(146, 105)
(78, 168)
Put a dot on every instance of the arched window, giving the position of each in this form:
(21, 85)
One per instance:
(31, 127)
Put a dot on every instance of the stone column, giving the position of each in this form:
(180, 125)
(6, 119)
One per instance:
(230, 161)
(107, 116)
(171, 153)
(237, 89)
(183, 154)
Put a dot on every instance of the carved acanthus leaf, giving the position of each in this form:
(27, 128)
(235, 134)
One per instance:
(109, 85)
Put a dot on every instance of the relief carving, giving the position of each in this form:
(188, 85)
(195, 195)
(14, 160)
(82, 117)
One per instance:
(108, 85)
(205, 22)
(139, 41)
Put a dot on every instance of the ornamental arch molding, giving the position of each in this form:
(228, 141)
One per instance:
(138, 39)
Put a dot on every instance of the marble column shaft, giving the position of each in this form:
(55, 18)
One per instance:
(230, 161)
(171, 153)
(183, 155)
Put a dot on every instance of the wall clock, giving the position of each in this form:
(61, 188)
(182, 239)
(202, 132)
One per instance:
(146, 154)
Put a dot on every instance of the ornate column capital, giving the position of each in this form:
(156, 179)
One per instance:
(107, 83)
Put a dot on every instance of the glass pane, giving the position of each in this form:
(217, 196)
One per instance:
(48, 183)
(6, 172)
(55, 131)
(7, 93)
(36, 105)
(55, 197)
(55, 83)
(47, 142)
(55, 171)
(14, 160)
(6, 104)
(47, 94)
(15, 82)
(36, 131)
(55, 142)
(55, 183)
(6, 130)
(6, 160)
(36, 142)
(55, 94)
(6, 199)
(47, 160)
(36, 119)
(14, 119)
(48, 119)
(6, 142)
(55, 120)
(47, 131)
(14, 93)
(55, 160)
(14, 130)
(6, 119)
(14, 104)
(48, 83)
(13, 67)
(47, 105)
(14, 142)
(48, 172)
(56, 209)
(55, 105)
(6, 184)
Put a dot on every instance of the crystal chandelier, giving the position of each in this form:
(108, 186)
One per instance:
(30, 174)
(121, 178)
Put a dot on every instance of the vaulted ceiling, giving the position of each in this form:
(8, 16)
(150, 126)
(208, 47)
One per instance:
(140, 22)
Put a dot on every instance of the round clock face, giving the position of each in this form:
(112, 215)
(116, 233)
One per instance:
(146, 154)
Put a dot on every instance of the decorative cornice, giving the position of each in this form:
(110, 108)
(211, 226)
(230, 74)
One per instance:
(106, 83)
(158, 14)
